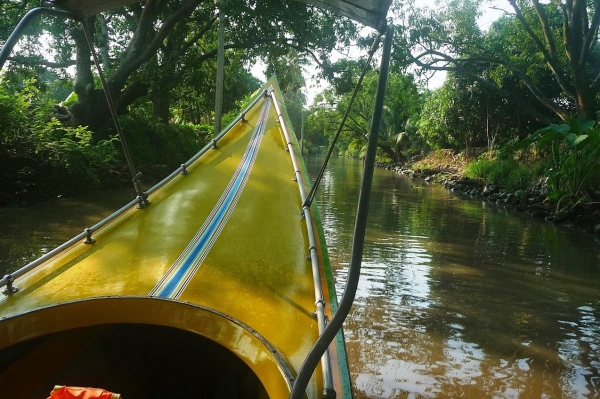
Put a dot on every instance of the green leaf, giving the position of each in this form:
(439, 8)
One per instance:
(583, 124)
(578, 139)
(72, 98)
(526, 142)
(594, 135)
(562, 129)
(550, 137)
(556, 195)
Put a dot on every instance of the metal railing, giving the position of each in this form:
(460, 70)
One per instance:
(335, 324)
(24, 22)
(328, 389)
(7, 280)
(211, 145)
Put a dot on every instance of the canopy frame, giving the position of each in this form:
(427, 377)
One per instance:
(371, 13)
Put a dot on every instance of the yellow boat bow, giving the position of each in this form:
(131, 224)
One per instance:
(224, 261)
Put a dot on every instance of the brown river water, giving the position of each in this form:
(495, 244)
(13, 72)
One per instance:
(457, 298)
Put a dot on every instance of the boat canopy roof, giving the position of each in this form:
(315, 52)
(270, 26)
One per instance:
(368, 12)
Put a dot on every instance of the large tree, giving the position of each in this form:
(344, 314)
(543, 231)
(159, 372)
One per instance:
(148, 47)
(533, 43)
(402, 102)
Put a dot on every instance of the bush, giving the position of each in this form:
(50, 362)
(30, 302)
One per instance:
(506, 173)
(573, 165)
(40, 157)
(151, 142)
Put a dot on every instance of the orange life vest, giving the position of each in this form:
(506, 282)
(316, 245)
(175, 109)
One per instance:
(63, 392)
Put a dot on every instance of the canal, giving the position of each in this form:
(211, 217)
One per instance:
(459, 298)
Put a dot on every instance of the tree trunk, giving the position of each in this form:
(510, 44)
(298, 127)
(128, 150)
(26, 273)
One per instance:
(90, 109)
(161, 107)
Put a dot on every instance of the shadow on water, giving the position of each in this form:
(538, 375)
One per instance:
(27, 233)
(458, 298)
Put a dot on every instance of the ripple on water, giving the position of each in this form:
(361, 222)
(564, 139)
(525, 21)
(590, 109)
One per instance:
(463, 299)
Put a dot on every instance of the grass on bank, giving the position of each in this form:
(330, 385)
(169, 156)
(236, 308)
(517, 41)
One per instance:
(506, 173)
(563, 162)
(509, 173)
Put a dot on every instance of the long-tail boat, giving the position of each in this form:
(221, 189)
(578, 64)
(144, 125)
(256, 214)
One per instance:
(213, 283)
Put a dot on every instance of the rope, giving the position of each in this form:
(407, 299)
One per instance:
(143, 197)
(311, 195)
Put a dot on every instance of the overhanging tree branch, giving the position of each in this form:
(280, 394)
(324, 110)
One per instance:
(548, 35)
(31, 61)
(591, 37)
(459, 66)
(552, 62)
(146, 41)
(199, 34)
(575, 72)
(252, 44)
(596, 82)
(176, 18)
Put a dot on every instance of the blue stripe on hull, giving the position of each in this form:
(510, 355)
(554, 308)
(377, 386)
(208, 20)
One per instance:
(181, 272)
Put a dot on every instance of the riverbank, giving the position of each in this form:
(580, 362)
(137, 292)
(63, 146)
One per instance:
(447, 168)
(33, 188)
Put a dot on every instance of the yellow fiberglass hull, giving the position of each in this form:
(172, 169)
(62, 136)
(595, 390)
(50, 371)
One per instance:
(210, 287)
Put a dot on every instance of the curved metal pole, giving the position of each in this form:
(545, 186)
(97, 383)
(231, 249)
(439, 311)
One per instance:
(311, 361)
(25, 21)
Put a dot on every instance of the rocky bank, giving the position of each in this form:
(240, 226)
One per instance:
(534, 202)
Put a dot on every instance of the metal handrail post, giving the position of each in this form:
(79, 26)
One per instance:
(360, 227)
(220, 69)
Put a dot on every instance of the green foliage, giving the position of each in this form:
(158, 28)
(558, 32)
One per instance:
(402, 102)
(40, 156)
(506, 173)
(72, 148)
(239, 105)
(463, 113)
(194, 101)
(573, 161)
(13, 116)
(155, 143)
(434, 126)
(526, 57)
(167, 53)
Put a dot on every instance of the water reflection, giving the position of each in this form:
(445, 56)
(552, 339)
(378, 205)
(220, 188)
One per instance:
(28, 233)
(462, 299)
